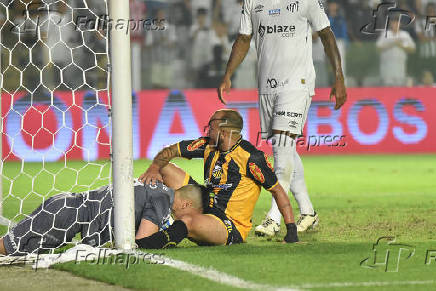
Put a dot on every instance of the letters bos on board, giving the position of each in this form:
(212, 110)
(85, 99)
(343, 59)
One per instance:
(374, 120)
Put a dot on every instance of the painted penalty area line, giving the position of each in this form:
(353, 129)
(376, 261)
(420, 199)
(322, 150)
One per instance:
(221, 277)
(363, 284)
(224, 278)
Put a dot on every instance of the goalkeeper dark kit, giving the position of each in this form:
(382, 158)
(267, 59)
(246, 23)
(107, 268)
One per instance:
(58, 219)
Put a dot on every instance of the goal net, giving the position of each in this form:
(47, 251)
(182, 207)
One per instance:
(56, 105)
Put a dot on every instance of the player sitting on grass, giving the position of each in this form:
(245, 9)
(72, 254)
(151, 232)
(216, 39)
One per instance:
(234, 171)
(61, 217)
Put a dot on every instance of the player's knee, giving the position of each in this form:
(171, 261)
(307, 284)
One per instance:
(172, 176)
(167, 170)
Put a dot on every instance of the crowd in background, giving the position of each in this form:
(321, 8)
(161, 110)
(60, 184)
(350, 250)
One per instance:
(371, 56)
(190, 47)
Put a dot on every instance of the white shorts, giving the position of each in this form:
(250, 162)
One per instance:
(284, 111)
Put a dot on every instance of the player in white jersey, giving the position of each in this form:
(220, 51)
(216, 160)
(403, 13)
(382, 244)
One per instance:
(282, 30)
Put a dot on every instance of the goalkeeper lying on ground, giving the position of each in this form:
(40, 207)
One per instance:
(58, 220)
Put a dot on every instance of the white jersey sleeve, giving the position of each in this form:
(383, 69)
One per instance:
(246, 26)
(316, 15)
(407, 40)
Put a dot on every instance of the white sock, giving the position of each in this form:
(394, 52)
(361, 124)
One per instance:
(299, 188)
(283, 149)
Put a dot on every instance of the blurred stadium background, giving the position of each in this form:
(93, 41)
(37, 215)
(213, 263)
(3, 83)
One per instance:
(190, 47)
(178, 59)
(179, 50)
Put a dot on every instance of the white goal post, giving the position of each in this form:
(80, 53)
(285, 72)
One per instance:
(122, 143)
(65, 78)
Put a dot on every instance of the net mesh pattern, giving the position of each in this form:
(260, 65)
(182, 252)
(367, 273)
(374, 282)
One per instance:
(55, 118)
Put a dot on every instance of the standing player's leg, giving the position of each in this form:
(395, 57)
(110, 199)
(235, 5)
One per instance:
(273, 116)
(308, 216)
(289, 115)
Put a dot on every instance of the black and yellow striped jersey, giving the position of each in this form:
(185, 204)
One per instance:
(234, 178)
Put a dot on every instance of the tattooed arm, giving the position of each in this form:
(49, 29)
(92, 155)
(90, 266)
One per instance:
(332, 52)
(161, 160)
(239, 51)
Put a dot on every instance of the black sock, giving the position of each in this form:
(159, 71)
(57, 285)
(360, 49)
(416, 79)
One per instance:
(165, 238)
(291, 235)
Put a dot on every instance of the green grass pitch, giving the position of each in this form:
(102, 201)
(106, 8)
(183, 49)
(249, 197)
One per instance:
(359, 199)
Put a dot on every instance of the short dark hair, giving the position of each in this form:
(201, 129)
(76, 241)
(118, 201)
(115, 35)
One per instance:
(231, 118)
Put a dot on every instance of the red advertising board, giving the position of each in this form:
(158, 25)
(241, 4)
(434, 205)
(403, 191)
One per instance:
(374, 120)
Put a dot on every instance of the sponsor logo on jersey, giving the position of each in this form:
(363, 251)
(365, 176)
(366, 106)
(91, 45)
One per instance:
(267, 162)
(288, 114)
(258, 8)
(257, 173)
(274, 12)
(196, 144)
(293, 6)
(274, 83)
(284, 30)
(222, 186)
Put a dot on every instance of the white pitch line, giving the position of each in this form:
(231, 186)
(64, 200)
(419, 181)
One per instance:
(363, 284)
(220, 277)
(224, 278)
